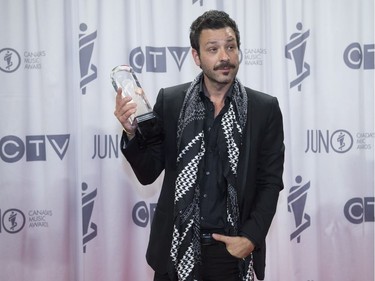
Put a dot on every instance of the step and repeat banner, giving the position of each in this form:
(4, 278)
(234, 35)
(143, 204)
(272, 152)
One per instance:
(70, 206)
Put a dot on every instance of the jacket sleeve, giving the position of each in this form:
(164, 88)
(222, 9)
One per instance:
(265, 160)
(147, 161)
(269, 163)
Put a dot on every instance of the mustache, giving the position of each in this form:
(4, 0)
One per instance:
(224, 65)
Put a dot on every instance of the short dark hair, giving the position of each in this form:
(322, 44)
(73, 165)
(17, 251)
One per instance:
(212, 19)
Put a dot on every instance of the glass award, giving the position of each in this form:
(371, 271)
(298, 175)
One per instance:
(123, 76)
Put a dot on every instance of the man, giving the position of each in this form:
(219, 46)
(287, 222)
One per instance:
(222, 152)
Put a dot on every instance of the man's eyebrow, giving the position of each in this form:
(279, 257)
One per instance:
(228, 40)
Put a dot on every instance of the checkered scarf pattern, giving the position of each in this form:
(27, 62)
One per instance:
(185, 248)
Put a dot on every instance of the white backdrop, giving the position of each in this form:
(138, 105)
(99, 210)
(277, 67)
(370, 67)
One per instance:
(70, 207)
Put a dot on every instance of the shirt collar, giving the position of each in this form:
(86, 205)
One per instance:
(203, 90)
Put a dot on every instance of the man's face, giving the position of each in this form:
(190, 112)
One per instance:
(219, 55)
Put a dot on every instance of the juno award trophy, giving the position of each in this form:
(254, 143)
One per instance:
(149, 128)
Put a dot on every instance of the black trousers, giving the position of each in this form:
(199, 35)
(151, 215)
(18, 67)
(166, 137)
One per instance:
(217, 265)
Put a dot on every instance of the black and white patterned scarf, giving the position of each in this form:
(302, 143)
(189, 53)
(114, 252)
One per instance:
(185, 249)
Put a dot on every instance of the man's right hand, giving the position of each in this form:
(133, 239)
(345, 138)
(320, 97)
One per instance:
(124, 109)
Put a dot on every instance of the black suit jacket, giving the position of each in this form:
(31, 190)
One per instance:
(260, 171)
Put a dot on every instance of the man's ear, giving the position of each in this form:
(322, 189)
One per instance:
(196, 58)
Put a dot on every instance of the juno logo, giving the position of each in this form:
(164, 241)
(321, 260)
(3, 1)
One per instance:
(12, 220)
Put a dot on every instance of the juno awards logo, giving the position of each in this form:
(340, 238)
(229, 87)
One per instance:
(88, 70)
(10, 60)
(325, 141)
(12, 221)
(296, 205)
(295, 51)
(89, 228)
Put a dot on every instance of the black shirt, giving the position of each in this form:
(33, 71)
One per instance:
(213, 185)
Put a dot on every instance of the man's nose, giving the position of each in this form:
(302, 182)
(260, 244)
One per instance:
(224, 56)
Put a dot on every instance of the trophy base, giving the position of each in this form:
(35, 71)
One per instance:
(145, 117)
(149, 128)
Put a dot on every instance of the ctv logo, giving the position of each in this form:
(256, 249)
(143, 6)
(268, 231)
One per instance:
(143, 214)
(155, 58)
(356, 56)
(13, 148)
(358, 210)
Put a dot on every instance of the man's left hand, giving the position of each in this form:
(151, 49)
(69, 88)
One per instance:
(238, 246)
